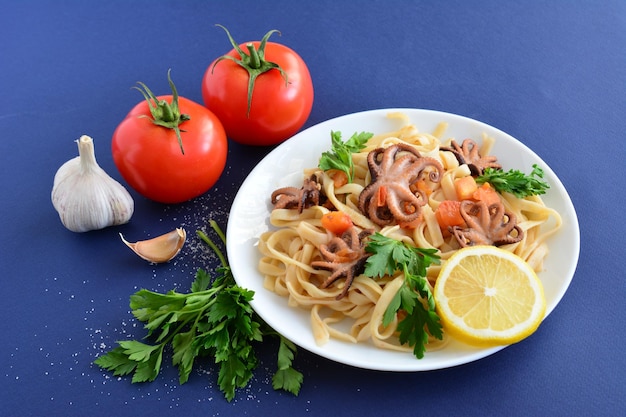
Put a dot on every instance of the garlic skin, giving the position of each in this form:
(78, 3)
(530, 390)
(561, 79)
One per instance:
(161, 248)
(86, 197)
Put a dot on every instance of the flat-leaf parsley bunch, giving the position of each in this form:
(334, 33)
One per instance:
(214, 320)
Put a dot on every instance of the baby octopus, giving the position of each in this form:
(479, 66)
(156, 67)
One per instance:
(345, 257)
(467, 153)
(487, 225)
(297, 198)
(389, 197)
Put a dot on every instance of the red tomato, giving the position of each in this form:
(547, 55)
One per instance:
(278, 109)
(150, 159)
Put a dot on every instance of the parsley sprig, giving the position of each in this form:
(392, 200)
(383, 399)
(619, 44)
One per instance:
(414, 297)
(340, 155)
(515, 182)
(215, 319)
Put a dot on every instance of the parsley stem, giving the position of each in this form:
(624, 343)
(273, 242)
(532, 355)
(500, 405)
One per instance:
(212, 245)
(218, 230)
(203, 309)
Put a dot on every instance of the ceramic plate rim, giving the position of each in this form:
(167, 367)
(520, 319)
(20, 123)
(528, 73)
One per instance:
(283, 166)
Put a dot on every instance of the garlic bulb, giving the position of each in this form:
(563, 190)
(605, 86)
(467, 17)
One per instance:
(86, 197)
(161, 248)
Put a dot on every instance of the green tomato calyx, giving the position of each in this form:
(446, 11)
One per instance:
(254, 61)
(163, 113)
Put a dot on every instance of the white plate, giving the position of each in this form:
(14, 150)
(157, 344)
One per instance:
(249, 217)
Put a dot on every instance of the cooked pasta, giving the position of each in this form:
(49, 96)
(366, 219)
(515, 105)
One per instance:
(289, 250)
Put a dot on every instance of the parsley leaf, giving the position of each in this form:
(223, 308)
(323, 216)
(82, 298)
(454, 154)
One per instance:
(340, 155)
(215, 319)
(286, 377)
(414, 297)
(515, 182)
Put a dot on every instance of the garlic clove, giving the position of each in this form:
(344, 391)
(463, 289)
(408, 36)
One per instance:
(161, 248)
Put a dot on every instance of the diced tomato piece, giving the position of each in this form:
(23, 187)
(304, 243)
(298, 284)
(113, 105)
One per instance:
(449, 214)
(423, 187)
(340, 178)
(381, 196)
(487, 194)
(465, 187)
(336, 222)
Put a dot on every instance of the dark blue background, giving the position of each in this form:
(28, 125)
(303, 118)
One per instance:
(552, 74)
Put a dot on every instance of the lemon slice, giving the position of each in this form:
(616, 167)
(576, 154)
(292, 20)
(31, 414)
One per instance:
(487, 296)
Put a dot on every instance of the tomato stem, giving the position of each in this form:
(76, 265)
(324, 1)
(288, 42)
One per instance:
(254, 62)
(163, 113)
(168, 114)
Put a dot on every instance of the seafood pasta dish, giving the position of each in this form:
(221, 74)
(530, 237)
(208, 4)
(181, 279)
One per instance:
(430, 192)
